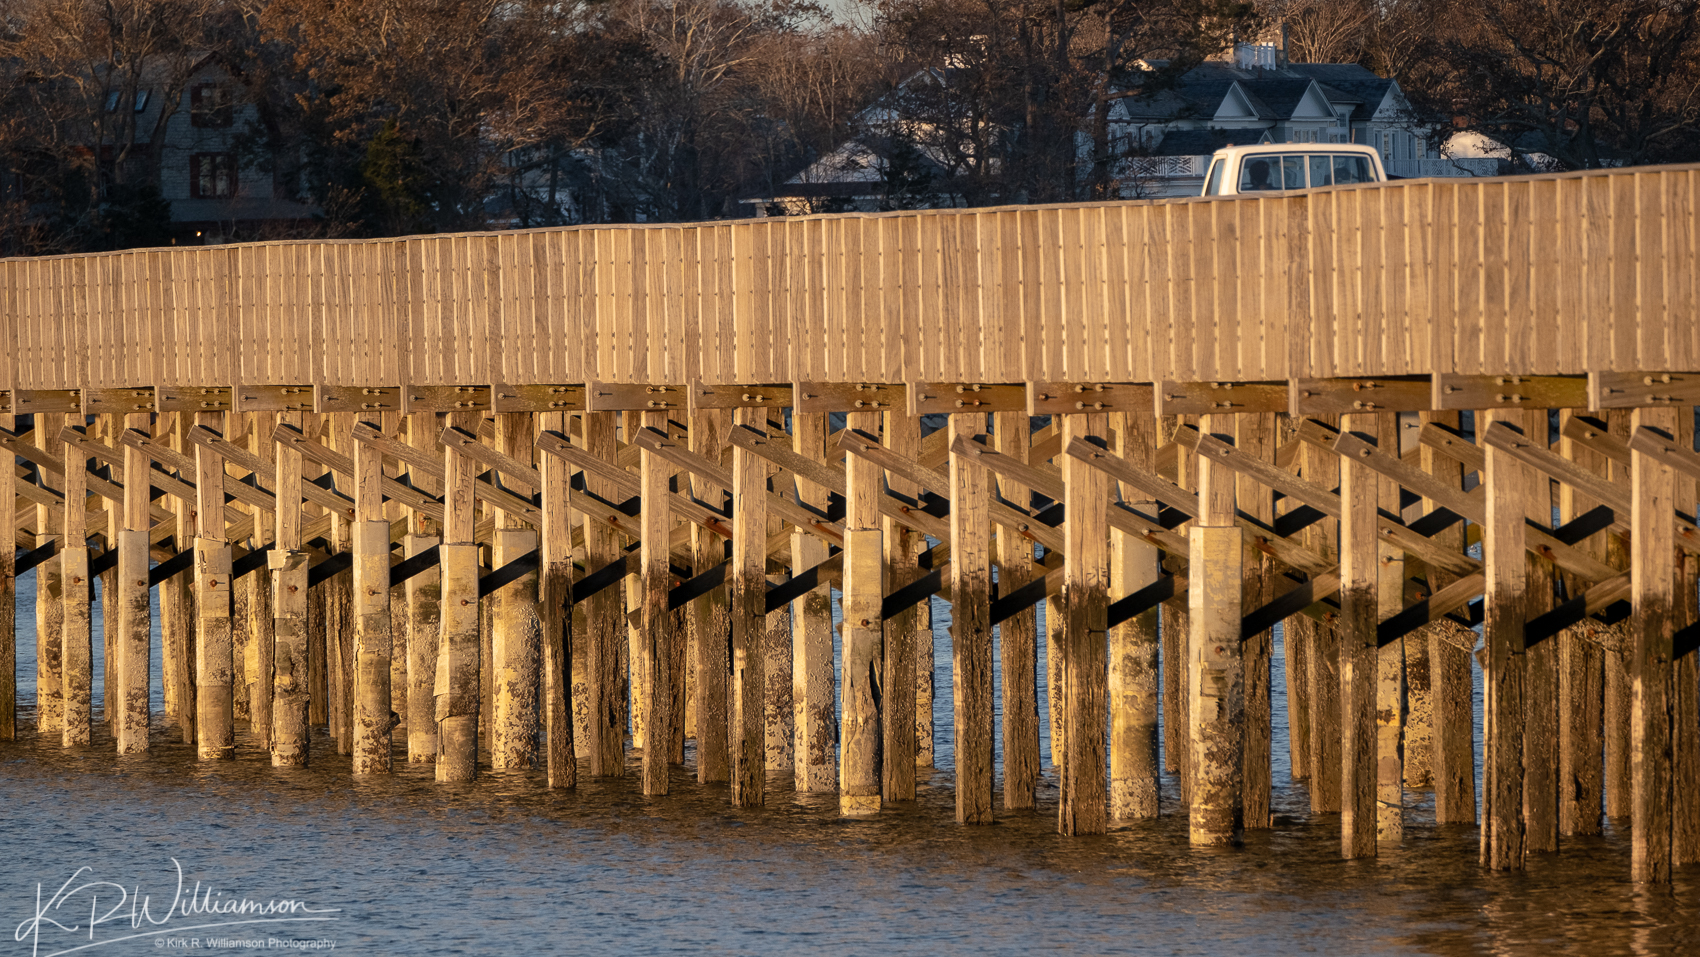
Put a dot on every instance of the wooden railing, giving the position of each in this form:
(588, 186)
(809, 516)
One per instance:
(1547, 274)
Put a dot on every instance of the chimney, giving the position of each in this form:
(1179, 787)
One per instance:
(1281, 58)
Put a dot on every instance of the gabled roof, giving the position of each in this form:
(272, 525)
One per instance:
(1270, 94)
(1347, 83)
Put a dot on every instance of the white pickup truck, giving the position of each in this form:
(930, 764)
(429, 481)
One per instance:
(1274, 167)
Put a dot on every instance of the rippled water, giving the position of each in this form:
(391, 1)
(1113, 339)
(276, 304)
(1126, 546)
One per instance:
(506, 866)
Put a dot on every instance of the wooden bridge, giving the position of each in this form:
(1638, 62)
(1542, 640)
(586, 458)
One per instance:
(531, 491)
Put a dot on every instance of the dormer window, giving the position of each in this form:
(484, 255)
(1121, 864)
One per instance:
(210, 105)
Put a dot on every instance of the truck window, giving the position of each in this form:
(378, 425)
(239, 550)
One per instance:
(1213, 185)
(1293, 172)
(1351, 169)
(1260, 173)
(1321, 171)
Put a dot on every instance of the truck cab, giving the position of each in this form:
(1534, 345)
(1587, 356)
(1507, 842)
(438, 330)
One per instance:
(1279, 167)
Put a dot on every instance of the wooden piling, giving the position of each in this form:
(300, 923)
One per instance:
(747, 605)
(8, 605)
(1505, 486)
(1176, 640)
(1453, 755)
(902, 636)
(1653, 586)
(424, 599)
(1083, 805)
(1255, 435)
(1359, 608)
(516, 629)
(76, 648)
(1685, 707)
(214, 711)
(654, 680)
(971, 628)
(779, 717)
(604, 616)
(811, 663)
(134, 614)
(1215, 658)
(1321, 468)
(291, 684)
(554, 587)
(49, 592)
(862, 640)
(373, 645)
(1134, 679)
(458, 692)
(1541, 672)
(708, 621)
(261, 615)
(1581, 667)
(1390, 703)
(1018, 634)
(1619, 703)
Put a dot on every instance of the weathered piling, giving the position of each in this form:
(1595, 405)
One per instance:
(75, 636)
(1082, 804)
(902, 638)
(1133, 645)
(1255, 436)
(49, 587)
(1217, 692)
(134, 614)
(8, 607)
(424, 592)
(709, 623)
(1359, 608)
(971, 627)
(654, 681)
(603, 615)
(370, 586)
(1650, 653)
(214, 707)
(863, 635)
(747, 603)
(812, 666)
(1503, 673)
(457, 692)
(1450, 671)
(1018, 634)
(1320, 469)
(1390, 700)
(261, 614)
(555, 596)
(291, 681)
(1541, 680)
(515, 632)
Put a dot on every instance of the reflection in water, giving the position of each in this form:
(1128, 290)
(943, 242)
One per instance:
(506, 866)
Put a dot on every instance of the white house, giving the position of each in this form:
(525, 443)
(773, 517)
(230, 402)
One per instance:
(1166, 138)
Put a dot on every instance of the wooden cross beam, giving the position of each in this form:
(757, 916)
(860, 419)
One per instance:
(864, 445)
(336, 462)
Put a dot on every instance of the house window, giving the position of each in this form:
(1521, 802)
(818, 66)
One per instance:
(141, 100)
(212, 175)
(210, 105)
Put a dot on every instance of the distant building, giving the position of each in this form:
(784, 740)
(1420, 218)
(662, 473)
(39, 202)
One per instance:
(1165, 140)
(215, 165)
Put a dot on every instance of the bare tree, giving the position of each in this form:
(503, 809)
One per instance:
(1583, 83)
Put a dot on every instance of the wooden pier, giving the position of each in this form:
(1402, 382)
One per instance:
(545, 499)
